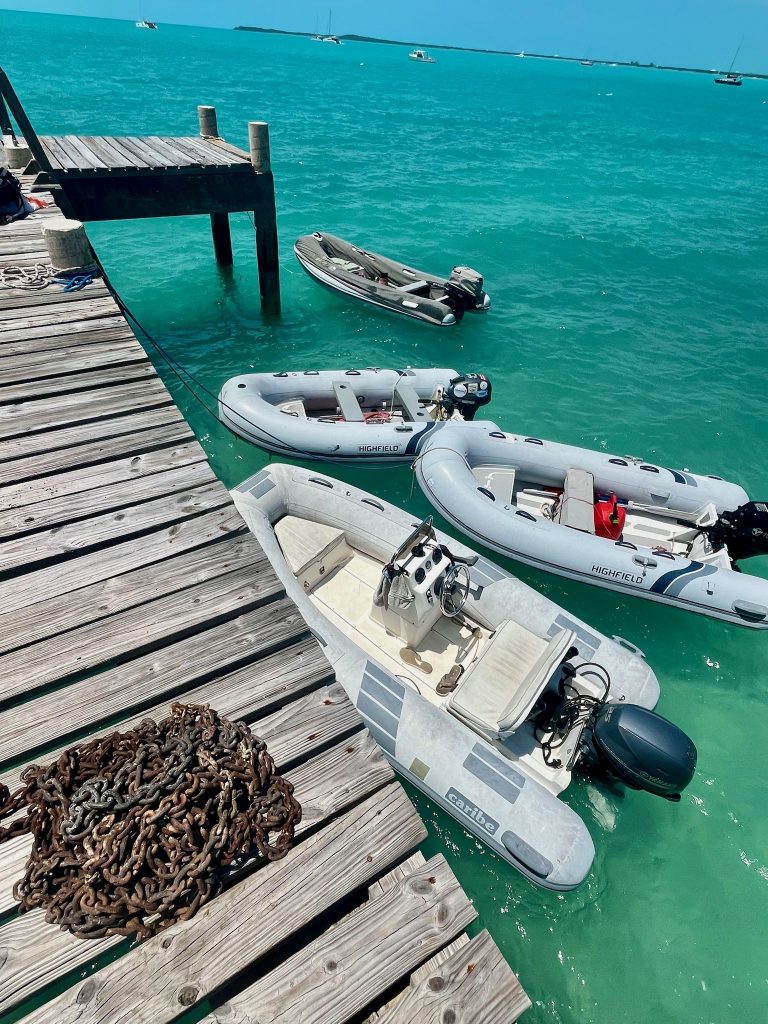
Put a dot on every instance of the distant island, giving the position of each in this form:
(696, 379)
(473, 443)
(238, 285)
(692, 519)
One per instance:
(503, 53)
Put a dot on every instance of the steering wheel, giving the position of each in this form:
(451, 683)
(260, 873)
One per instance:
(455, 589)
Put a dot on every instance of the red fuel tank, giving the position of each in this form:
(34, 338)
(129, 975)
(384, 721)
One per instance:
(609, 518)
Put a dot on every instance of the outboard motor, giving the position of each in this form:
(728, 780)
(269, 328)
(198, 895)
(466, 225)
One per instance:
(744, 531)
(464, 290)
(641, 749)
(467, 394)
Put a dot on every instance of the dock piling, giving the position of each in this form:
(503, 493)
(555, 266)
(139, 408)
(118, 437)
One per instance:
(265, 220)
(209, 128)
(220, 231)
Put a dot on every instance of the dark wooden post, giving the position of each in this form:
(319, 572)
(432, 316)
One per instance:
(222, 237)
(265, 218)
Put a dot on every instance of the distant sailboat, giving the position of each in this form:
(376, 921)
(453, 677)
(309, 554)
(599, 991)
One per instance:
(143, 23)
(729, 78)
(330, 38)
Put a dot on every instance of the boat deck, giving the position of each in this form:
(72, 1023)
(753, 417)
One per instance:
(346, 599)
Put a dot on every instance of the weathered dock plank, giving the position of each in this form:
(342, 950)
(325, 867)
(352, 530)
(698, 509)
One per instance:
(245, 693)
(83, 705)
(124, 371)
(43, 491)
(34, 587)
(365, 954)
(49, 413)
(453, 988)
(19, 628)
(82, 534)
(85, 445)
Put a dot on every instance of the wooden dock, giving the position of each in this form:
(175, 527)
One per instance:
(128, 581)
(99, 178)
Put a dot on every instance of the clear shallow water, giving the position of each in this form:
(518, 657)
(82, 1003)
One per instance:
(619, 217)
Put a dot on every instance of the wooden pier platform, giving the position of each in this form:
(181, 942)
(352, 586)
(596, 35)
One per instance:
(101, 178)
(128, 581)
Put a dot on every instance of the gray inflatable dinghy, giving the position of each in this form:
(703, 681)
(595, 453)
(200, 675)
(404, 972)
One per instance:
(617, 522)
(370, 415)
(349, 270)
(481, 692)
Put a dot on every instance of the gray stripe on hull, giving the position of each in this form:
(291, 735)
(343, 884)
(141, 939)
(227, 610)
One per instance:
(385, 741)
(372, 688)
(246, 485)
(492, 779)
(380, 676)
(499, 765)
(586, 642)
(374, 712)
(487, 571)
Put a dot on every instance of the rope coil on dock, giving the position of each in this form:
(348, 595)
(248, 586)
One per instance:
(132, 830)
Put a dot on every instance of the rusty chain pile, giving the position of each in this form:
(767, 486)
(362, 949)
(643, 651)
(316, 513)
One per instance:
(131, 831)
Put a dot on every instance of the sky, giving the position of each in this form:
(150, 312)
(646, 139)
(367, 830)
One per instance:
(698, 33)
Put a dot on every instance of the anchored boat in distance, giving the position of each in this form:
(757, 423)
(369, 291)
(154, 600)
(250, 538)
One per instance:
(422, 56)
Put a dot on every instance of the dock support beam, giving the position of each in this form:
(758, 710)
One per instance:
(266, 220)
(222, 237)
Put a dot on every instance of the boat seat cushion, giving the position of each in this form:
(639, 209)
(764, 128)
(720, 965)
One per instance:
(577, 505)
(498, 691)
(311, 549)
(406, 396)
(343, 264)
(413, 286)
(499, 480)
(347, 399)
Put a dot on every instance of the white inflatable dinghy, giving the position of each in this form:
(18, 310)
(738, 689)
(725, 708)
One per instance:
(349, 270)
(481, 692)
(349, 415)
(618, 522)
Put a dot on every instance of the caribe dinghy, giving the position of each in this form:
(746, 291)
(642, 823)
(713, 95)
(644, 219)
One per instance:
(620, 523)
(480, 691)
(349, 415)
(370, 277)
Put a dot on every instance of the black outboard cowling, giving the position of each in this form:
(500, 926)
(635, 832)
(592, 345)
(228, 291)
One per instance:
(643, 750)
(467, 394)
(464, 289)
(744, 530)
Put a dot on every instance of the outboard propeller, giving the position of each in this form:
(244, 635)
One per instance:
(641, 749)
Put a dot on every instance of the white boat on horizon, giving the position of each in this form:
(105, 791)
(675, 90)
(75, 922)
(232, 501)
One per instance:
(422, 56)
(146, 24)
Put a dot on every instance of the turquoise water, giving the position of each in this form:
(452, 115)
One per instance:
(619, 217)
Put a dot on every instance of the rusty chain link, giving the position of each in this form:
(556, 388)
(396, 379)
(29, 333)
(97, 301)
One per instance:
(132, 830)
